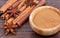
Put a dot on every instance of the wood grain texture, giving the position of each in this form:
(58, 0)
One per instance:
(25, 31)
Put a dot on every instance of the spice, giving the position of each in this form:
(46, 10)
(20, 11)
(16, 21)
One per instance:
(23, 8)
(3, 16)
(12, 10)
(18, 13)
(15, 4)
(49, 18)
(9, 27)
(7, 17)
(21, 15)
(7, 5)
(25, 14)
(22, 3)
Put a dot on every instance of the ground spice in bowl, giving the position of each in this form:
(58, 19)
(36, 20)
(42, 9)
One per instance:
(45, 20)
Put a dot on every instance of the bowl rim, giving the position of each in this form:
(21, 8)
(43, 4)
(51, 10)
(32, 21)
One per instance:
(33, 13)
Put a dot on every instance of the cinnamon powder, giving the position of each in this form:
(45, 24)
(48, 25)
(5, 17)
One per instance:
(46, 18)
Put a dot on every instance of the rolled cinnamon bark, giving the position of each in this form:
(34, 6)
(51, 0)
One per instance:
(7, 5)
(21, 15)
(3, 16)
(21, 4)
(15, 4)
(23, 8)
(24, 18)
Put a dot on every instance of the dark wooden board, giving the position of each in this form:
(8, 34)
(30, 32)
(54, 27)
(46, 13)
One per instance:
(25, 30)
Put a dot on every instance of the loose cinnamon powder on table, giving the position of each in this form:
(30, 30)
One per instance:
(46, 18)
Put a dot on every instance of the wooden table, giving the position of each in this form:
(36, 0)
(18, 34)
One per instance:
(25, 31)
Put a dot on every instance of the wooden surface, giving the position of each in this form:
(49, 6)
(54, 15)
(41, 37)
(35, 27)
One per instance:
(25, 31)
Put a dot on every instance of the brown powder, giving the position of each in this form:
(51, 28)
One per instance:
(46, 18)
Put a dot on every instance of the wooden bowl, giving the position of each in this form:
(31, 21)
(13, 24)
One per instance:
(40, 30)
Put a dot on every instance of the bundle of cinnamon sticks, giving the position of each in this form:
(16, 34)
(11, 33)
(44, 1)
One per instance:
(15, 12)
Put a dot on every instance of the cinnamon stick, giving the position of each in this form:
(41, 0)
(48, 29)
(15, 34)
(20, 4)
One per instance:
(23, 8)
(7, 5)
(18, 18)
(24, 15)
(3, 16)
(36, 1)
(10, 20)
(7, 17)
(21, 4)
(15, 4)
(41, 3)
